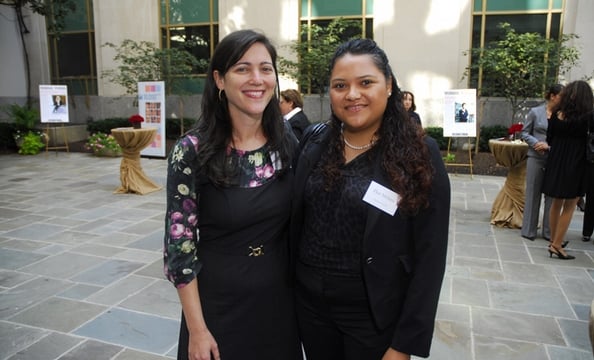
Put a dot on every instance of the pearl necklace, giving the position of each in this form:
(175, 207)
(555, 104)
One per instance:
(349, 145)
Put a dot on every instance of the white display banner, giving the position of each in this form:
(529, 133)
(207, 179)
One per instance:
(53, 103)
(459, 113)
(151, 106)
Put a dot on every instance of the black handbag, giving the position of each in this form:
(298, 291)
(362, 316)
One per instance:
(590, 141)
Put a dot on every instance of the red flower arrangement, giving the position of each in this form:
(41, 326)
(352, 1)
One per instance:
(515, 128)
(136, 119)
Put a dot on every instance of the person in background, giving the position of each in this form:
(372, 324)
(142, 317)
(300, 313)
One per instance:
(370, 219)
(408, 100)
(565, 174)
(291, 104)
(228, 206)
(534, 133)
(588, 224)
(463, 113)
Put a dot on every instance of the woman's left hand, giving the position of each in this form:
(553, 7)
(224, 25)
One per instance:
(392, 354)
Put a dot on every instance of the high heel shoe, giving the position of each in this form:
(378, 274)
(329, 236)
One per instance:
(560, 255)
(563, 244)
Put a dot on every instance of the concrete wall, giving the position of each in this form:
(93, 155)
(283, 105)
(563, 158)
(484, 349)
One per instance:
(424, 41)
(112, 25)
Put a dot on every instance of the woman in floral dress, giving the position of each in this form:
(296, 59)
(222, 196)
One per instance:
(228, 205)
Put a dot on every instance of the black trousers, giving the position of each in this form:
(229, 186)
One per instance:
(334, 318)
(588, 226)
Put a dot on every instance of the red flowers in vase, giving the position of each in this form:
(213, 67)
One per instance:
(136, 119)
(515, 128)
(515, 131)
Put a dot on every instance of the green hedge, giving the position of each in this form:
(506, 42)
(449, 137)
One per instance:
(105, 125)
(487, 132)
(437, 134)
(491, 132)
(6, 138)
(173, 127)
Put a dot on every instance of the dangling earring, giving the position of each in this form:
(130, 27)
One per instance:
(220, 95)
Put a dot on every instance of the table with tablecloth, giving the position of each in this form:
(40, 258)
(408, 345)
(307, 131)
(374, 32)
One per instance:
(132, 177)
(508, 207)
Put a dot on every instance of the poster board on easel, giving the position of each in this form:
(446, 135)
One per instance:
(151, 106)
(53, 104)
(460, 120)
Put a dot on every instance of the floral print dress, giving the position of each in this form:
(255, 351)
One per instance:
(234, 241)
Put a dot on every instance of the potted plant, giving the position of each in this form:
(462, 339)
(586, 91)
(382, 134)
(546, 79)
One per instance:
(30, 143)
(102, 144)
(25, 135)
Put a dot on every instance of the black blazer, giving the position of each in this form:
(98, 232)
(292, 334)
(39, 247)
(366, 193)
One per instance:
(298, 123)
(403, 257)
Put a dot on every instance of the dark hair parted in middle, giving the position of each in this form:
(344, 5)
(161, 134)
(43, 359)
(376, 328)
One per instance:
(404, 154)
(215, 127)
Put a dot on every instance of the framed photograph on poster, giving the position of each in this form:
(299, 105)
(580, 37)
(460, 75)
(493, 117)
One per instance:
(53, 103)
(151, 106)
(459, 113)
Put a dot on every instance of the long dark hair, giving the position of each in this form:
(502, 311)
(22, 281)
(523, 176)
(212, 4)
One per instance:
(402, 151)
(214, 126)
(576, 100)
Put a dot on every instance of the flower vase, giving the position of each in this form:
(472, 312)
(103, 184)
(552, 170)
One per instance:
(136, 125)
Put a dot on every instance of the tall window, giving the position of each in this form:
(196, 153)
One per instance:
(72, 53)
(191, 25)
(322, 12)
(537, 16)
(318, 15)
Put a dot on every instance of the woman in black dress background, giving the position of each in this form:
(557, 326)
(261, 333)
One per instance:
(565, 174)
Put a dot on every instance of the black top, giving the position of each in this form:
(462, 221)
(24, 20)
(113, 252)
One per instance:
(336, 249)
(402, 257)
(298, 123)
(565, 174)
(416, 117)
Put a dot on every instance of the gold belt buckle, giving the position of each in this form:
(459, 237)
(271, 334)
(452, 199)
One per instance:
(257, 251)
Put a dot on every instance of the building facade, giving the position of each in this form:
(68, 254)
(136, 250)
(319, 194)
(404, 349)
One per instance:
(424, 39)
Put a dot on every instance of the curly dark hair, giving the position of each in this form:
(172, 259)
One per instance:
(214, 126)
(404, 156)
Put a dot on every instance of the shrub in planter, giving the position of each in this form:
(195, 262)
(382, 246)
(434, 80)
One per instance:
(24, 117)
(103, 145)
(30, 144)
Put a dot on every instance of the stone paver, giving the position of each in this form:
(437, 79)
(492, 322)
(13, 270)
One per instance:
(81, 272)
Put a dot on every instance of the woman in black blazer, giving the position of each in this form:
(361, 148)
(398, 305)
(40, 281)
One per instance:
(370, 219)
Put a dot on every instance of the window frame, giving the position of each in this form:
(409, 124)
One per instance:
(77, 84)
(554, 8)
(195, 83)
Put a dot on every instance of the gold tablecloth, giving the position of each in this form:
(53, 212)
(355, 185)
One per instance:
(132, 178)
(508, 207)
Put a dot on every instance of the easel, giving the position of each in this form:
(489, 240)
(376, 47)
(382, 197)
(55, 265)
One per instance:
(469, 164)
(47, 139)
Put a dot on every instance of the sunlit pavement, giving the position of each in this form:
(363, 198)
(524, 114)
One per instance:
(81, 271)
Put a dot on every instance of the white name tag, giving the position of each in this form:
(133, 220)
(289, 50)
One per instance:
(382, 198)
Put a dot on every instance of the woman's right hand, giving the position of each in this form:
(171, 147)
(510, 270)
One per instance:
(201, 345)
